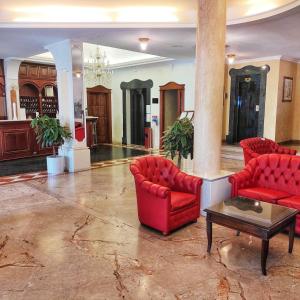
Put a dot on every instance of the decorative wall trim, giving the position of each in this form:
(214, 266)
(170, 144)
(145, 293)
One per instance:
(258, 59)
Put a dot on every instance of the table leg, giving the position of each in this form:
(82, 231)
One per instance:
(264, 255)
(292, 235)
(209, 234)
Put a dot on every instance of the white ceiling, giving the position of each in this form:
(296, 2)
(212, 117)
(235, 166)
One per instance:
(271, 36)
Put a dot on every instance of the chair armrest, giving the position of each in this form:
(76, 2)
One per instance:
(285, 150)
(155, 189)
(239, 180)
(187, 183)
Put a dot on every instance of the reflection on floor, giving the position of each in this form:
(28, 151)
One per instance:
(38, 164)
(77, 236)
(109, 152)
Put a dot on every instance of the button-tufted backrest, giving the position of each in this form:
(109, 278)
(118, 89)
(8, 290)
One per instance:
(259, 145)
(276, 171)
(156, 169)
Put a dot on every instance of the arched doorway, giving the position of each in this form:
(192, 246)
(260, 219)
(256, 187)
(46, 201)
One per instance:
(171, 105)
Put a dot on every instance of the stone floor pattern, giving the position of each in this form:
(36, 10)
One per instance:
(77, 236)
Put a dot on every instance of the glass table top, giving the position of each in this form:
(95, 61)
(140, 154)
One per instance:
(252, 211)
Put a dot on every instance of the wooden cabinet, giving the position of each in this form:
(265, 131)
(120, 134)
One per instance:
(34, 81)
(17, 140)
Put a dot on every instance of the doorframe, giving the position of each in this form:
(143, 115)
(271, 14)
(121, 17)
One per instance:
(180, 96)
(103, 90)
(247, 70)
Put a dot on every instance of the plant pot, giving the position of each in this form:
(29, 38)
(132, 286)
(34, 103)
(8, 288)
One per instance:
(55, 164)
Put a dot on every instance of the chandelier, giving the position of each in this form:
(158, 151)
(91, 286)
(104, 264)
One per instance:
(96, 68)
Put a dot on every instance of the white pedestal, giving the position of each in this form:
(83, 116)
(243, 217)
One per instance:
(76, 159)
(214, 190)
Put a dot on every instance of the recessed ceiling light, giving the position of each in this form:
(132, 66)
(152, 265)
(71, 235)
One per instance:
(144, 43)
(231, 58)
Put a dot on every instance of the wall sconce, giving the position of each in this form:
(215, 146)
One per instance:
(231, 58)
(144, 43)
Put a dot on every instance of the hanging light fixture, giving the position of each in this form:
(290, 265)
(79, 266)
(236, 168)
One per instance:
(144, 43)
(231, 58)
(96, 68)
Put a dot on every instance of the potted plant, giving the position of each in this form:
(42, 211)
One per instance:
(179, 140)
(49, 133)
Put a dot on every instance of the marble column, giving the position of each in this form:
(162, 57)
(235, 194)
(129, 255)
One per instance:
(68, 58)
(209, 83)
(11, 73)
(210, 66)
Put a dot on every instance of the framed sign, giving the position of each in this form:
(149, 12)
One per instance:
(287, 89)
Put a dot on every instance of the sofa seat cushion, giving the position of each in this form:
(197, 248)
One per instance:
(263, 194)
(292, 202)
(180, 200)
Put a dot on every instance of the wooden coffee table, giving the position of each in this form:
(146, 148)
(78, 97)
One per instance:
(257, 218)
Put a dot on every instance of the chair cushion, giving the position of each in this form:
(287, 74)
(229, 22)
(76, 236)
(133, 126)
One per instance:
(263, 194)
(180, 200)
(292, 202)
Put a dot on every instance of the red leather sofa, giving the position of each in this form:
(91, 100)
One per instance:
(166, 197)
(257, 146)
(273, 178)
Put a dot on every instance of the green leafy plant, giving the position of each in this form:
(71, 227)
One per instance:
(179, 139)
(49, 132)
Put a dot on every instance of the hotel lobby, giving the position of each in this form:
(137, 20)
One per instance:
(150, 150)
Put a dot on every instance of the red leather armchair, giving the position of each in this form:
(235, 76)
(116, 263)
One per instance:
(257, 146)
(166, 197)
(273, 178)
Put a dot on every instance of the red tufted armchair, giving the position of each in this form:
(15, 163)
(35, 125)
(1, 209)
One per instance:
(166, 197)
(273, 178)
(257, 146)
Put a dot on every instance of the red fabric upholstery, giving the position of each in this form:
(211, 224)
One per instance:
(166, 197)
(272, 178)
(263, 194)
(181, 200)
(257, 146)
(79, 132)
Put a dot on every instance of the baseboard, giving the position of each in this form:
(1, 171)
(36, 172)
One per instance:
(291, 142)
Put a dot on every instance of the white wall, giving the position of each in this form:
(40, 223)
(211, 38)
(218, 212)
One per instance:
(182, 72)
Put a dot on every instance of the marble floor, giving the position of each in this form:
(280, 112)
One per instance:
(77, 236)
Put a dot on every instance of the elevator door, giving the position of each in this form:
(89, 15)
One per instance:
(247, 107)
(137, 116)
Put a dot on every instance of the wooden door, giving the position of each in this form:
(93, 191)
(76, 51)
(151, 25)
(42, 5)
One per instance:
(99, 105)
(179, 90)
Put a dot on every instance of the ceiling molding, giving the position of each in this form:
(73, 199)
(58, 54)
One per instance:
(140, 63)
(88, 25)
(265, 15)
(258, 59)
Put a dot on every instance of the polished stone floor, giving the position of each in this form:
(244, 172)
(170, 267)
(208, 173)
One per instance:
(77, 236)
(37, 164)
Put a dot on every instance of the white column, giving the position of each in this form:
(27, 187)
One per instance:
(210, 67)
(11, 73)
(209, 86)
(68, 59)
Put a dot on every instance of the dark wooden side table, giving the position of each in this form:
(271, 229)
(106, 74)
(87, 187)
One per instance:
(257, 218)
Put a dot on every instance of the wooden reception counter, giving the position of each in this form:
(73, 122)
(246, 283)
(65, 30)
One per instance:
(17, 140)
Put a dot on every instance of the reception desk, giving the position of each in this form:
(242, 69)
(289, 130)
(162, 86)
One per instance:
(17, 140)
